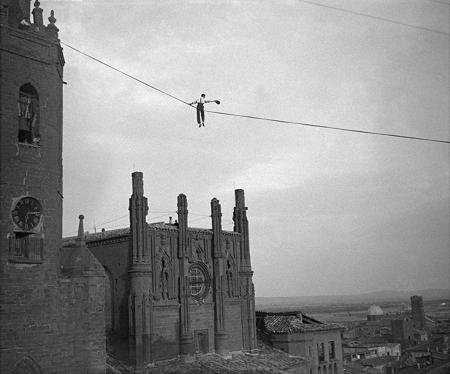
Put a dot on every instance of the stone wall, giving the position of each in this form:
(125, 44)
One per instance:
(173, 289)
(233, 325)
(49, 322)
(165, 339)
(308, 344)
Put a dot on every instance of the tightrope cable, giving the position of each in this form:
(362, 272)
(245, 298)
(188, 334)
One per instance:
(376, 17)
(256, 117)
(329, 127)
(124, 73)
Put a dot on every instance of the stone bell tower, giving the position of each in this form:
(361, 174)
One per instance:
(31, 71)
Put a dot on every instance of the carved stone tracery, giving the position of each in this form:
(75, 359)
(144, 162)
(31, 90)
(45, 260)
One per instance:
(164, 268)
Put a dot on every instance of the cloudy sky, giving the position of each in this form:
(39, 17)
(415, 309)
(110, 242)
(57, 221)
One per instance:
(330, 212)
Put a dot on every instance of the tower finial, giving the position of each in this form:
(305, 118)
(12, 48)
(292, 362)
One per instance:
(80, 237)
(137, 183)
(51, 26)
(52, 18)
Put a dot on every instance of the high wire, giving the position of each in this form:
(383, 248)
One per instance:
(330, 127)
(440, 2)
(255, 117)
(126, 74)
(377, 17)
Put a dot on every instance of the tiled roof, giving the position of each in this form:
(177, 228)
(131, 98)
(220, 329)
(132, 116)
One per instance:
(125, 231)
(294, 323)
(90, 237)
(264, 360)
(380, 361)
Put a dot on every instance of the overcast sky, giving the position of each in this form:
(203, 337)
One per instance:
(329, 212)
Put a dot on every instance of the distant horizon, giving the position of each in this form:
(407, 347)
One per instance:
(412, 292)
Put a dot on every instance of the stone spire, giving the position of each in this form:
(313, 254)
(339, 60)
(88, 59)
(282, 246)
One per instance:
(77, 260)
(182, 225)
(138, 208)
(186, 339)
(52, 30)
(241, 225)
(216, 216)
(219, 312)
(81, 241)
(140, 273)
(245, 272)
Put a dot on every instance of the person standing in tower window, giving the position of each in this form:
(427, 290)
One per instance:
(201, 109)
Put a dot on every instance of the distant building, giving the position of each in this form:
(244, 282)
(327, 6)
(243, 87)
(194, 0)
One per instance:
(356, 350)
(298, 334)
(403, 331)
(420, 336)
(381, 365)
(375, 313)
(373, 329)
(417, 311)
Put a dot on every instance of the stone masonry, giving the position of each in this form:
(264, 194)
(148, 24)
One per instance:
(51, 301)
(175, 289)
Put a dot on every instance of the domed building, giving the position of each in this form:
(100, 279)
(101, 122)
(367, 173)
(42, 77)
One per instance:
(375, 313)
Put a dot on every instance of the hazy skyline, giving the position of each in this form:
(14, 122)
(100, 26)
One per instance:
(329, 212)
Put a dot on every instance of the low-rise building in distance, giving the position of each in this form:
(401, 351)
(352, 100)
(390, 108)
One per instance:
(301, 335)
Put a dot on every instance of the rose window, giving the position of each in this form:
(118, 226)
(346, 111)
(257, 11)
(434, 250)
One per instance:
(199, 281)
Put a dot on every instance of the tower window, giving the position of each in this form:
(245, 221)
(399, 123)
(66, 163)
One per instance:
(28, 115)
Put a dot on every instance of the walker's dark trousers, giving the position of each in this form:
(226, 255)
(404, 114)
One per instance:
(200, 113)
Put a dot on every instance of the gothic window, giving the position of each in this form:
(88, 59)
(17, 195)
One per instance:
(321, 352)
(164, 280)
(332, 350)
(199, 281)
(229, 273)
(28, 115)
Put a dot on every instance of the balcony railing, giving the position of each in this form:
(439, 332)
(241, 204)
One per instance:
(26, 248)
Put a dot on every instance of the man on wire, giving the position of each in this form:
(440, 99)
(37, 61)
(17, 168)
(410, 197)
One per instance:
(201, 109)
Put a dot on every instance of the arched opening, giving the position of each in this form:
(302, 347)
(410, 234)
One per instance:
(26, 365)
(29, 116)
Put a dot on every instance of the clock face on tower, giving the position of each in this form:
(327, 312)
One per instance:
(27, 213)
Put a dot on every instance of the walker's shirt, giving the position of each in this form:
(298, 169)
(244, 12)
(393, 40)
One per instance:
(201, 101)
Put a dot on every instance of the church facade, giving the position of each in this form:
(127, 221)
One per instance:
(173, 289)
